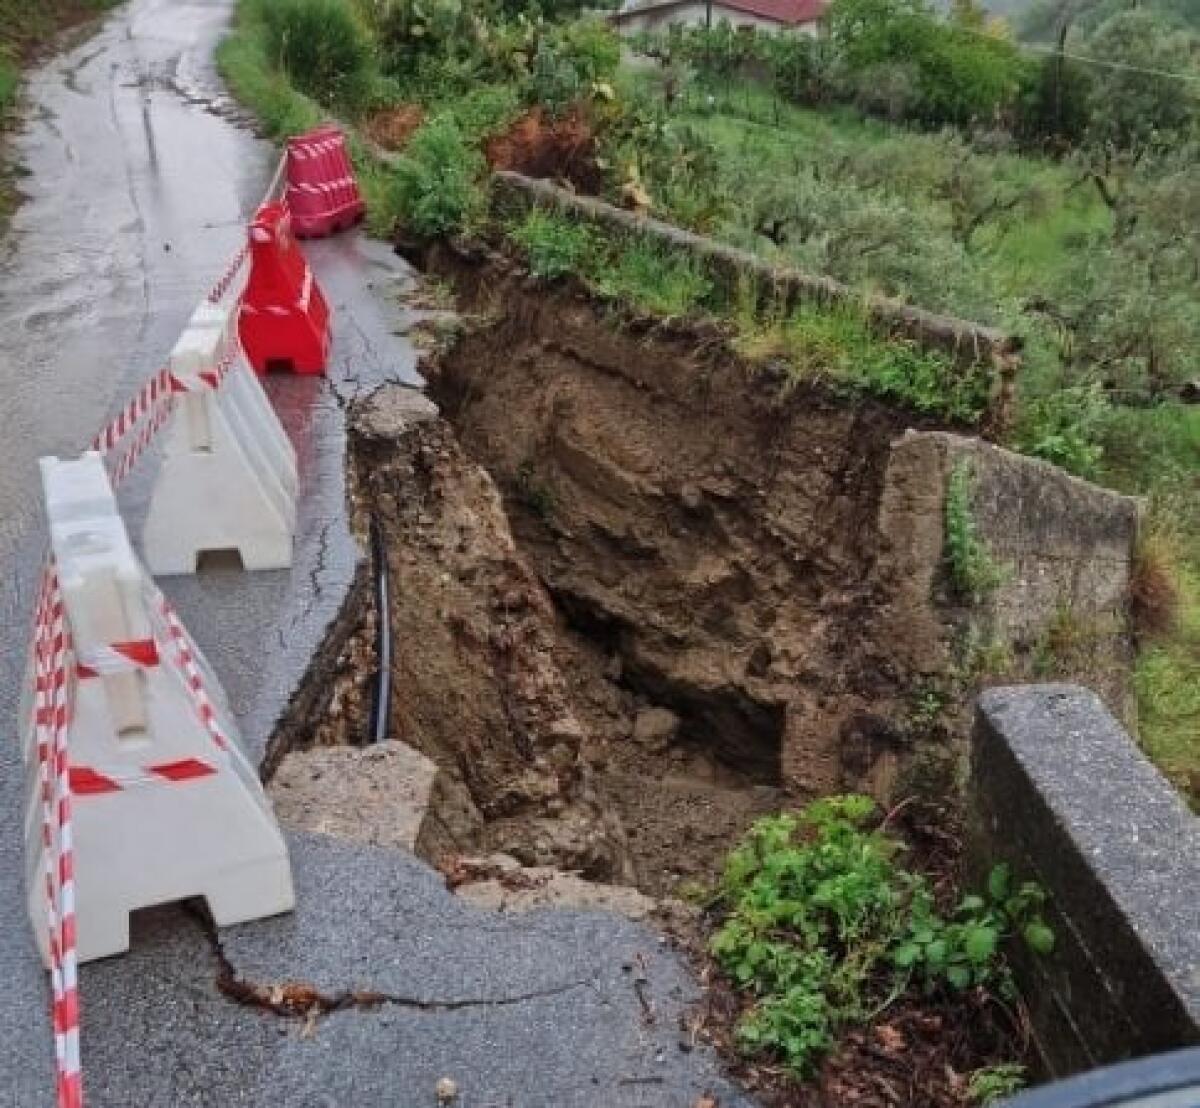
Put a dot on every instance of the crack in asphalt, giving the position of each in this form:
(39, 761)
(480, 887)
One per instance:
(301, 1000)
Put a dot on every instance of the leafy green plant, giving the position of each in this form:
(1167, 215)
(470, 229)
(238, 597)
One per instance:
(553, 244)
(825, 927)
(437, 180)
(1063, 428)
(322, 47)
(993, 1083)
(973, 571)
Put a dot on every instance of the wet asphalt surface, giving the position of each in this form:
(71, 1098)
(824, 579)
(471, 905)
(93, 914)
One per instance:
(140, 181)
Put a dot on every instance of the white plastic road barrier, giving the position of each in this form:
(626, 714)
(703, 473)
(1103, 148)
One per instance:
(228, 477)
(165, 805)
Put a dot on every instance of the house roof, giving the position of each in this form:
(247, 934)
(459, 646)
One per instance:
(790, 12)
(782, 11)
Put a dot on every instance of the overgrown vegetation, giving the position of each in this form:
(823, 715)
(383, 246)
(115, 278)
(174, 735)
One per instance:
(928, 159)
(825, 927)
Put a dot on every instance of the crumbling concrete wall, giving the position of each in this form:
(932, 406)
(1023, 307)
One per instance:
(1063, 549)
(1061, 791)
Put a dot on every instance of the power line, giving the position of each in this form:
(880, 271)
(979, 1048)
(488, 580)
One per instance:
(1052, 51)
(1149, 70)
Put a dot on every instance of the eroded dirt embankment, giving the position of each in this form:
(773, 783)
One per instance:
(632, 585)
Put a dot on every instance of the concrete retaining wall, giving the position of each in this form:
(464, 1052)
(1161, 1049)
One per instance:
(733, 270)
(1060, 791)
(1064, 549)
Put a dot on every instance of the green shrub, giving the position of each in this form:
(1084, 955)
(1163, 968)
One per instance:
(825, 928)
(553, 245)
(992, 1083)
(436, 182)
(1063, 427)
(485, 110)
(973, 572)
(322, 47)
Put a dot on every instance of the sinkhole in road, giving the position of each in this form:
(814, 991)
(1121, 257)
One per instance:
(630, 584)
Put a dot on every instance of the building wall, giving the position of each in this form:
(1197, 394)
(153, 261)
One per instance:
(694, 14)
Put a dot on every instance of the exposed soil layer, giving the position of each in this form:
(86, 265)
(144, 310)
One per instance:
(539, 145)
(634, 607)
(632, 587)
(710, 530)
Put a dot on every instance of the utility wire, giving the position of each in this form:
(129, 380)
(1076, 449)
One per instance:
(1052, 51)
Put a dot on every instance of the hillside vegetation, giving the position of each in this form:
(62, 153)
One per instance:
(933, 161)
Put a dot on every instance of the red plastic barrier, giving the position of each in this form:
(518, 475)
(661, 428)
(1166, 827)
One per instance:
(283, 319)
(321, 190)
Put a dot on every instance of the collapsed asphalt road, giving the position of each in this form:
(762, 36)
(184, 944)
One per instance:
(140, 182)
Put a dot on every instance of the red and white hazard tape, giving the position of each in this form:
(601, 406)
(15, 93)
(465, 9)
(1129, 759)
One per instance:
(217, 293)
(141, 404)
(117, 657)
(191, 671)
(156, 421)
(51, 716)
(97, 780)
(150, 410)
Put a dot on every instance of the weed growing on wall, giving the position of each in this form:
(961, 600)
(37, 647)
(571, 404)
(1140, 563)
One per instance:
(973, 571)
(825, 928)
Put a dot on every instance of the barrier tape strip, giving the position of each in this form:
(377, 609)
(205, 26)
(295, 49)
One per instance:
(96, 781)
(161, 413)
(158, 419)
(191, 671)
(51, 719)
(143, 402)
(117, 657)
(225, 282)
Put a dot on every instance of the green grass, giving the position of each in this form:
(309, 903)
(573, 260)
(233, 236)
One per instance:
(1157, 450)
(837, 345)
(646, 275)
(748, 121)
(1167, 680)
(244, 63)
